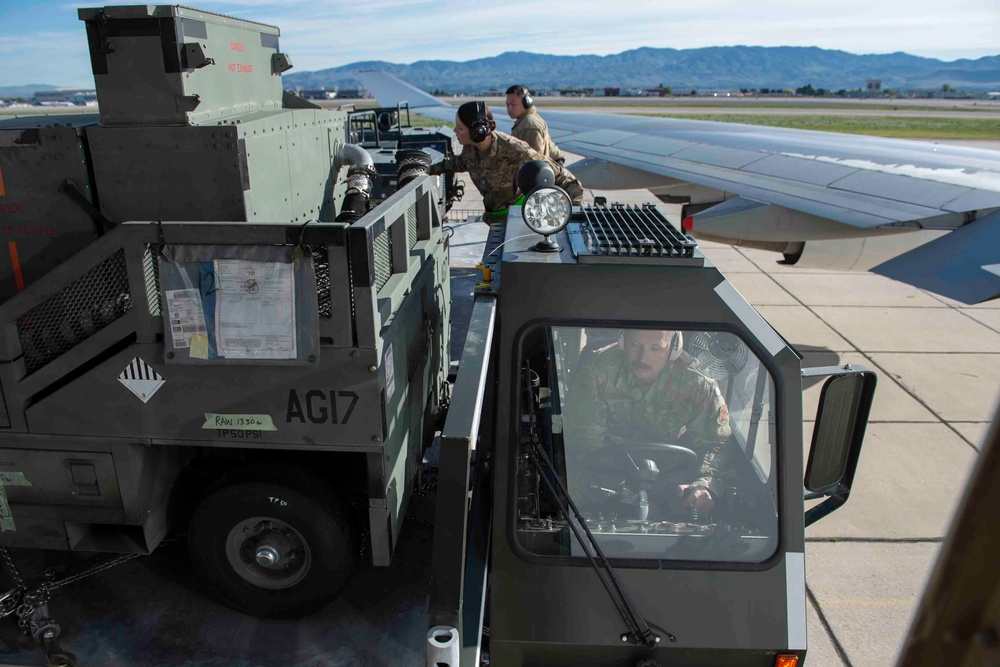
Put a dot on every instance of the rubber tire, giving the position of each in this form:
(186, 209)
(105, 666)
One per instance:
(320, 516)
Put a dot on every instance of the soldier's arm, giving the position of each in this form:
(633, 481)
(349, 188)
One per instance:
(570, 183)
(450, 165)
(710, 431)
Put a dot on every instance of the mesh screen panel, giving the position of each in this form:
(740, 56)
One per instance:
(383, 259)
(74, 314)
(321, 265)
(411, 224)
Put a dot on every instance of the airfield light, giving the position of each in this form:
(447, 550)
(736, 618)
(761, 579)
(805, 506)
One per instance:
(688, 223)
(785, 660)
(546, 210)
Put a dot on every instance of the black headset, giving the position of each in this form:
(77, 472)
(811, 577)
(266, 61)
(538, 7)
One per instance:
(526, 98)
(480, 128)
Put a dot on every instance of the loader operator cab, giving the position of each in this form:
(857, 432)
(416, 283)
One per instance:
(636, 421)
(643, 451)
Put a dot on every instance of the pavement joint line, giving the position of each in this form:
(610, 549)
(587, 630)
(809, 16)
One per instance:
(916, 398)
(966, 313)
(868, 358)
(837, 646)
(877, 540)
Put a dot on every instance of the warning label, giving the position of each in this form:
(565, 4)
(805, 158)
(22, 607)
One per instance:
(140, 379)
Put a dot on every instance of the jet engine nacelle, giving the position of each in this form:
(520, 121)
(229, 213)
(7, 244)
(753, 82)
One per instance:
(855, 254)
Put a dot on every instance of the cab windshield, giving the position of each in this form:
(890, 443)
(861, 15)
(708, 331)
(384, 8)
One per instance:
(665, 440)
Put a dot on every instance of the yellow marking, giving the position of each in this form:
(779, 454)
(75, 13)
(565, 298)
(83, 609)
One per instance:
(239, 422)
(199, 346)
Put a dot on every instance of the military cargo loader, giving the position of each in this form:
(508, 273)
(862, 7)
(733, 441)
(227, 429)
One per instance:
(219, 317)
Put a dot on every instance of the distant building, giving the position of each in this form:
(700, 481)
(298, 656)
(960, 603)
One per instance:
(335, 93)
(612, 92)
(65, 97)
(873, 86)
(320, 94)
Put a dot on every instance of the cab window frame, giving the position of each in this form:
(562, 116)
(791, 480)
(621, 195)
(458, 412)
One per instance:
(774, 478)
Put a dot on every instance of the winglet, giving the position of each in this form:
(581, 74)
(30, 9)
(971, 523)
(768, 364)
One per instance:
(390, 90)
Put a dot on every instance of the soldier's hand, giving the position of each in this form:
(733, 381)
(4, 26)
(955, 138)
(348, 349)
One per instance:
(697, 496)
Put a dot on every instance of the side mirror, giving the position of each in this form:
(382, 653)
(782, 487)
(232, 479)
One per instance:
(841, 420)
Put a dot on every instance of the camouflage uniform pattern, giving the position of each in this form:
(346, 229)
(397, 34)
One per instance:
(494, 172)
(606, 407)
(532, 130)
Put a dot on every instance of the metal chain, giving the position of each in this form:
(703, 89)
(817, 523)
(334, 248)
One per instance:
(19, 599)
(26, 603)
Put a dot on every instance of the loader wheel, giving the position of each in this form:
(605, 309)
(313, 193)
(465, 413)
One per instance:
(274, 542)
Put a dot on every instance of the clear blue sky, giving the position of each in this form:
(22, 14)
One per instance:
(43, 41)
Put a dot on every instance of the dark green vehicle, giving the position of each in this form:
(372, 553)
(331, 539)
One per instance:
(225, 313)
(637, 468)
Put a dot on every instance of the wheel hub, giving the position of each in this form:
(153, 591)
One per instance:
(268, 552)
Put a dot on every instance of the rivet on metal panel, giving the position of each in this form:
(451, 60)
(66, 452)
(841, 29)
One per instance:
(170, 355)
(355, 354)
(312, 358)
(376, 438)
(372, 369)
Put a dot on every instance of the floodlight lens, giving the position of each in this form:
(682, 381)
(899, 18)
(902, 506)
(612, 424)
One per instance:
(547, 210)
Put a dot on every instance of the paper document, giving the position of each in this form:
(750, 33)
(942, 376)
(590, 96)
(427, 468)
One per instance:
(255, 310)
(186, 316)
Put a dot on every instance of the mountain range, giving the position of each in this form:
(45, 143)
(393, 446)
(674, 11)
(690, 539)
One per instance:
(721, 67)
(26, 91)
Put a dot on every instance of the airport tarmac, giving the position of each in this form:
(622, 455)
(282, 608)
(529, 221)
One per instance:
(938, 362)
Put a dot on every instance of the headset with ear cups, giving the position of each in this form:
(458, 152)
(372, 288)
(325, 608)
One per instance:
(676, 344)
(526, 99)
(480, 128)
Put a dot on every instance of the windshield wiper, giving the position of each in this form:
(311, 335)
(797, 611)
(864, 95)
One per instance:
(638, 629)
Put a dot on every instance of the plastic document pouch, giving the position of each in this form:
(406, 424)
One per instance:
(239, 304)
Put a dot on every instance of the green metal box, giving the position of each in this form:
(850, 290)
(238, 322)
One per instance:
(171, 65)
(268, 166)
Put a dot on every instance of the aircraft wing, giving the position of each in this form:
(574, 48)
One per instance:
(785, 189)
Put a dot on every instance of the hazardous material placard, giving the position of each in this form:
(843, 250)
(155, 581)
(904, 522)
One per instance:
(140, 379)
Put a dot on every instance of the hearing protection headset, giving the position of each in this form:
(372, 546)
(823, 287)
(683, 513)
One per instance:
(676, 344)
(526, 98)
(480, 128)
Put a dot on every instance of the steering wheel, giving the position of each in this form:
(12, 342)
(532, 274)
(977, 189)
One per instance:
(669, 459)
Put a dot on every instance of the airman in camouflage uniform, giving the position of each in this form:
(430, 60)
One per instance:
(529, 126)
(494, 162)
(638, 395)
